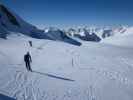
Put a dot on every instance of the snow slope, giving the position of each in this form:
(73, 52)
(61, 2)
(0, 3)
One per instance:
(124, 39)
(121, 40)
(93, 71)
(10, 22)
(59, 35)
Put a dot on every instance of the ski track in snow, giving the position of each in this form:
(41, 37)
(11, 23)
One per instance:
(117, 76)
(23, 87)
(113, 75)
(26, 89)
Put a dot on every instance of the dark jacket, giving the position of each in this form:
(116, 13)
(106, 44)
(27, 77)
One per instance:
(27, 58)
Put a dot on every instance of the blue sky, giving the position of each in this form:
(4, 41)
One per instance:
(73, 12)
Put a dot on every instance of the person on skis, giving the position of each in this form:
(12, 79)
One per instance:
(30, 43)
(28, 60)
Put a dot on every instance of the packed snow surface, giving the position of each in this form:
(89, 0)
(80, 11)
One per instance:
(93, 71)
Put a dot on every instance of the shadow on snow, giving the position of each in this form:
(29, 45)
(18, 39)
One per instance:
(54, 76)
(4, 97)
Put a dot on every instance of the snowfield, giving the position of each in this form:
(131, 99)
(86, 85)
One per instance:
(64, 66)
(93, 71)
(124, 40)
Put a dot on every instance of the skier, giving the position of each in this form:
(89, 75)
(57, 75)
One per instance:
(28, 60)
(30, 43)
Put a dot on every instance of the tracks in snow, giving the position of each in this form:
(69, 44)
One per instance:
(113, 75)
(22, 86)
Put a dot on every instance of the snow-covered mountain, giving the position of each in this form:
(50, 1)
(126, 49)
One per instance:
(60, 35)
(83, 34)
(123, 38)
(10, 22)
(99, 33)
(91, 71)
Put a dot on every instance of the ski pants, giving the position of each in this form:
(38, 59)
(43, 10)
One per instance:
(28, 66)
